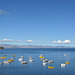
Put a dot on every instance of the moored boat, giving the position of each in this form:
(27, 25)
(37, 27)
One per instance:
(63, 65)
(3, 57)
(10, 60)
(6, 62)
(65, 54)
(13, 58)
(44, 63)
(45, 60)
(30, 60)
(41, 56)
(67, 62)
(51, 61)
(51, 67)
(30, 57)
(20, 59)
(24, 62)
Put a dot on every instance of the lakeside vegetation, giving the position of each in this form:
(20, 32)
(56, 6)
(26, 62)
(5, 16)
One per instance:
(1, 47)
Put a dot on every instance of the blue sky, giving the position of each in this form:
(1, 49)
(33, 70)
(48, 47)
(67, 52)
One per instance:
(38, 21)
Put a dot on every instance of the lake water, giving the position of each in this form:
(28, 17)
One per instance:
(36, 68)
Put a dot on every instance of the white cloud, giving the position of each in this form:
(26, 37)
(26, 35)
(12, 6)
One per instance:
(18, 41)
(11, 40)
(59, 41)
(62, 42)
(67, 41)
(7, 40)
(3, 12)
(38, 41)
(31, 41)
(27, 41)
(54, 41)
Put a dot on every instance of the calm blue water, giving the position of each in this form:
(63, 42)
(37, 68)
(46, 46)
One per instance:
(36, 68)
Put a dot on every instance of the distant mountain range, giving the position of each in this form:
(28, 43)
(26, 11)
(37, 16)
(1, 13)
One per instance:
(31, 46)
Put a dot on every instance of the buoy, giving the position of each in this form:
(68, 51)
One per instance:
(5, 55)
(13, 55)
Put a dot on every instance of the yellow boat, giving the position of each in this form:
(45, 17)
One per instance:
(3, 57)
(67, 62)
(51, 67)
(41, 57)
(10, 60)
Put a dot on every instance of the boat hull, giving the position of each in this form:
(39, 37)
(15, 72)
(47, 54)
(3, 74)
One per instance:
(51, 67)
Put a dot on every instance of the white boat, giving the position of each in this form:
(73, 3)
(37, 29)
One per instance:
(51, 61)
(24, 62)
(20, 59)
(63, 65)
(41, 55)
(13, 58)
(44, 63)
(65, 54)
(45, 60)
(6, 62)
(30, 60)
(30, 57)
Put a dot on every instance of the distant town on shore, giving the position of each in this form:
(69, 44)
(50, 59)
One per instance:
(2, 46)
